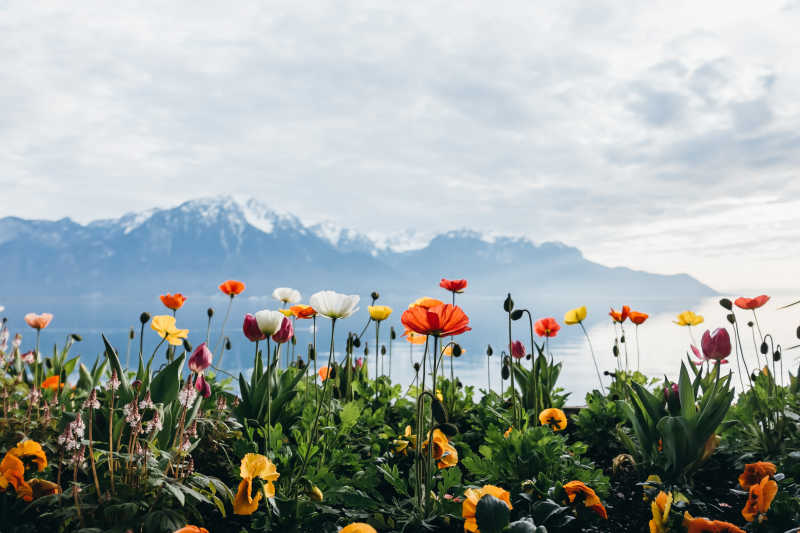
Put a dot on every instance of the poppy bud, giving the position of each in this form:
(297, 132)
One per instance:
(672, 398)
(383, 349)
(131, 334)
(392, 333)
(508, 304)
(77, 338)
(750, 324)
(726, 304)
(489, 350)
(459, 385)
(333, 372)
(210, 312)
(764, 348)
(187, 345)
(438, 411)
(798, 332)
(528, 357)
(456, 350)
(375, 295)
(776, 356)
(506, 372)
(516, 314)
(315, 494)
(366, 348)
(731, 318)
(449, 429)
(356, 342)
(294, 340)
(228, 344)
(312, 355)
(300, 363)
(416, 367)
(144, 318)
(622, 338)
(754, 376)
(506, 359)
(615, 350)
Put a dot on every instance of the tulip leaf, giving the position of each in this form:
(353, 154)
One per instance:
(165, 384)
(113, 359)
(687, 395)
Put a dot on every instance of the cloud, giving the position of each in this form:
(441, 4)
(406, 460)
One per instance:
(567, 123)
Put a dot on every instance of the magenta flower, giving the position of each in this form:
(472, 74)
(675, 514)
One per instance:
(200, 359)
(716, 346)
(517, 350)
(202, 386)
(285, 332)
(251, 329)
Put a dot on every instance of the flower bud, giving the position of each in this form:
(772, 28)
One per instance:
(392, 333)
(356, 342)
(228, 344)
(726, 303)
(131, 334)
(312, 355)
(210, 312)
(750, 324)
(383, 349)
(316, 494)
(505, 373)
(200, 359)
(187, 345)
(375, 296)
(78, 338)
(776, 356)
(144, 318)
(457, 350)
(517, 314)
(508, 304)
(416, 367)
(489, 350)
(764, 348)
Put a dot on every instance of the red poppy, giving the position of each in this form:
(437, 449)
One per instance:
(637, 317)
(546, 327)
(620, 316)
(453, 285)
(440, 321)
(173, 301)
(751, 303)
(232, 287)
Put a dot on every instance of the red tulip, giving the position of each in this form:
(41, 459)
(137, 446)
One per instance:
(440, 321)
(546, 327)
(251, 329)
(620, 316)
(202, 386)
(453, 285)
(517, 350)
(717, 345)
(751, 303)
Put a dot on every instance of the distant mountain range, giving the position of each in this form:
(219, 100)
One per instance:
(192, 247)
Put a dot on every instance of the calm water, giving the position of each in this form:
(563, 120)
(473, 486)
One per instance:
(662, 344)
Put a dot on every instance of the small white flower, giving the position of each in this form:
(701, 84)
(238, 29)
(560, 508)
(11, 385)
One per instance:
(187, 396)
(286, 295)
(334, 305)
(113, 383)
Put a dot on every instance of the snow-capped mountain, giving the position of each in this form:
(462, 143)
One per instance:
(195, 245)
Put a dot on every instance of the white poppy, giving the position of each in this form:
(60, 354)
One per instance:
(333, 304)
(269, 321)
(286, 295)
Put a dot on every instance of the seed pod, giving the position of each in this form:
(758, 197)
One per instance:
(516, 314)
(750, 324)
(210, 312)
(489, 350)
(764, 348)
(383, 349)
(78, 338)
(726, 304)
(508, 304)
(228, 344)
(416, 367)
(144, 318)
(776, 356)
(294, 340)
(312, 355)
(356, 342)
(456, 350)
(731, 318)
(506, 373)
(375, 295)
(392, 333)
(131, 334)
(615, 350)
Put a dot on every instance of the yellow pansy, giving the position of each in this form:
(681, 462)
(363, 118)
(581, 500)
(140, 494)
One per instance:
(30, 450)
(254, 465)
(575, 316)
(688, 318)
(379, 312)
(164, 325)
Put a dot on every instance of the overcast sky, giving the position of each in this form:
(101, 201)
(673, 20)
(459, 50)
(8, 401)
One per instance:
(661, 135)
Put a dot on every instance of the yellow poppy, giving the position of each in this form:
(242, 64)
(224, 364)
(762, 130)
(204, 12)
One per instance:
(164, 325)
(688, 318)
(555, 418)
(660, 508)
(379, 312)
(470, 505)
(286, 312)
(358, 527)
(574, 316)
(30, 450)
(426, 302)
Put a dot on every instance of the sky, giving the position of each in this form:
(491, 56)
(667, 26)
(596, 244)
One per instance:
(663, 135)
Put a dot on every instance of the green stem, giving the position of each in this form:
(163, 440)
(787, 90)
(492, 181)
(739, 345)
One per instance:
(222, 332)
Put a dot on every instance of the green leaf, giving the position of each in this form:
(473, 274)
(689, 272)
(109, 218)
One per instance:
(492, 514)
(165, 385)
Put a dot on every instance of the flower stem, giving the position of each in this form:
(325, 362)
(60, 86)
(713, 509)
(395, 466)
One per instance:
(594, 359)
(222, 332)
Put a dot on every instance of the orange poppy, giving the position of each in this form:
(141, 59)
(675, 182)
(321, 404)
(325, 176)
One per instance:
(453, 285)
(755, 472)
(52, 383)
(751, 303)
(637, 317)
(440, 321)
(704, 525)
(38, 321)
(231, 287)
(425, 302)
(173, 301)
(303, 311)
(620, 316)
(546, 327)
(191, 529)
(324, 373)
(760, 499)
(590, 499)
(414, 338)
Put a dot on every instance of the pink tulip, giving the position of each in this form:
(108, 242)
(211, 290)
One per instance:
(200, 359)
(38, 321)
(251, 329)
(517, 350)
(202, 386)
(285, 332)
(717, 345)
